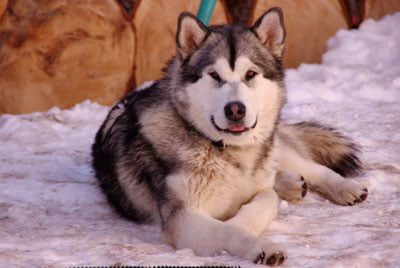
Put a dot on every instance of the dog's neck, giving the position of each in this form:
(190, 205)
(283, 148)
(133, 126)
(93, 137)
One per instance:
(219, 144)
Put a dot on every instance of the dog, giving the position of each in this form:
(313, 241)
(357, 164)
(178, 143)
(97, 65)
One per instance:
(203, 151)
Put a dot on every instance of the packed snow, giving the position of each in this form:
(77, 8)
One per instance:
(52, 213)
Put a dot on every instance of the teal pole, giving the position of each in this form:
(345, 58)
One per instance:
(205, 10)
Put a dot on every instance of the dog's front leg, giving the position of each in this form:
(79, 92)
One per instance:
(190, 228)
(255, 216)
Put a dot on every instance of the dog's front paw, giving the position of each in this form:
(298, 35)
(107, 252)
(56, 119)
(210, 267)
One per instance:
(348, 193)
(290, 186)
(273, 259)
(267, 253)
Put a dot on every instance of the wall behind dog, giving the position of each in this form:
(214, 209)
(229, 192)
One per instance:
(59, 53)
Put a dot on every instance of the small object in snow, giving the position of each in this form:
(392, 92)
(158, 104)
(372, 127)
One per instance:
(283, 204)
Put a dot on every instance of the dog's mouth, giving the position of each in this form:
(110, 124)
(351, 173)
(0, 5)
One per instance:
(234, 128)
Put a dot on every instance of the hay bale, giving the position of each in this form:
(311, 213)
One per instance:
(59, 53)
(3, 6)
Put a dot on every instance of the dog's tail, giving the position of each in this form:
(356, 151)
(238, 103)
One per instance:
(324, 145)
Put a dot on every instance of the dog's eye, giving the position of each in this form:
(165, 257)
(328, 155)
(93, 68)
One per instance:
(250, 75)
(215, 76)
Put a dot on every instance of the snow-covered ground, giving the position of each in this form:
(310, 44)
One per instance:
(52, 213)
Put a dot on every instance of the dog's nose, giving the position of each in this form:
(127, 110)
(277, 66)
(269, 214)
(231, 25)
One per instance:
(235, 111)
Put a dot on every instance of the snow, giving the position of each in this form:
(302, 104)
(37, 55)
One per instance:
(52, 213)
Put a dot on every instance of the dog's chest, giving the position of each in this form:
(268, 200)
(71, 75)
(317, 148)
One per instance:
(220, 183)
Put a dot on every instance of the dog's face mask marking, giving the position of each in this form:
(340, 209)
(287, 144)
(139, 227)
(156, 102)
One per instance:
(232, 77)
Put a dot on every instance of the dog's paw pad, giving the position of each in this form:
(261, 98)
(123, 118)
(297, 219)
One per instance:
(291, 186)
(260, 258)
(274, 259)
(305, 189)
(364, 195)
(360, 198)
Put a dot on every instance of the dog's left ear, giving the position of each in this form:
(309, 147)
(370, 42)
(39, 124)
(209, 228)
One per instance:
(190, 34)
(270, 29)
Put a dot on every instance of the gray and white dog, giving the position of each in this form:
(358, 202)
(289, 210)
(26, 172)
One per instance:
(203, 151)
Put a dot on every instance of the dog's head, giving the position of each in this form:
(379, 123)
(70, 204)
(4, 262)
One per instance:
(228, 79)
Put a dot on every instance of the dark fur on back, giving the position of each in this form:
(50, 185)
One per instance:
(114, 146)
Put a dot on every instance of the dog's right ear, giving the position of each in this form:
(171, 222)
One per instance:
(190, 34)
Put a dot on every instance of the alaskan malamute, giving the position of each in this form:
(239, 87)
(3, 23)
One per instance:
(202, 151)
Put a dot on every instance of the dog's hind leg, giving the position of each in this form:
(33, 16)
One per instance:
(290, 186)
(329, 183)
(255, 216)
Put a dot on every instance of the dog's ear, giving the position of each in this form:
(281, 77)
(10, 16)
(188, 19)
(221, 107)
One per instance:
(270, 29)
(190, 34)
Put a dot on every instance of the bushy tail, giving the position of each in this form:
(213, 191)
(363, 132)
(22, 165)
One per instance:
(324, 145)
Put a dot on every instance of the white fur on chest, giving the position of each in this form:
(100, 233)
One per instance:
(219, 187)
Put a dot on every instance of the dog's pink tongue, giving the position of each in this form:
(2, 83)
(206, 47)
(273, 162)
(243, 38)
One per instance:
(236, 128)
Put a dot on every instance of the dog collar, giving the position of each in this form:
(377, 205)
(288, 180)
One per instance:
(219, 144)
